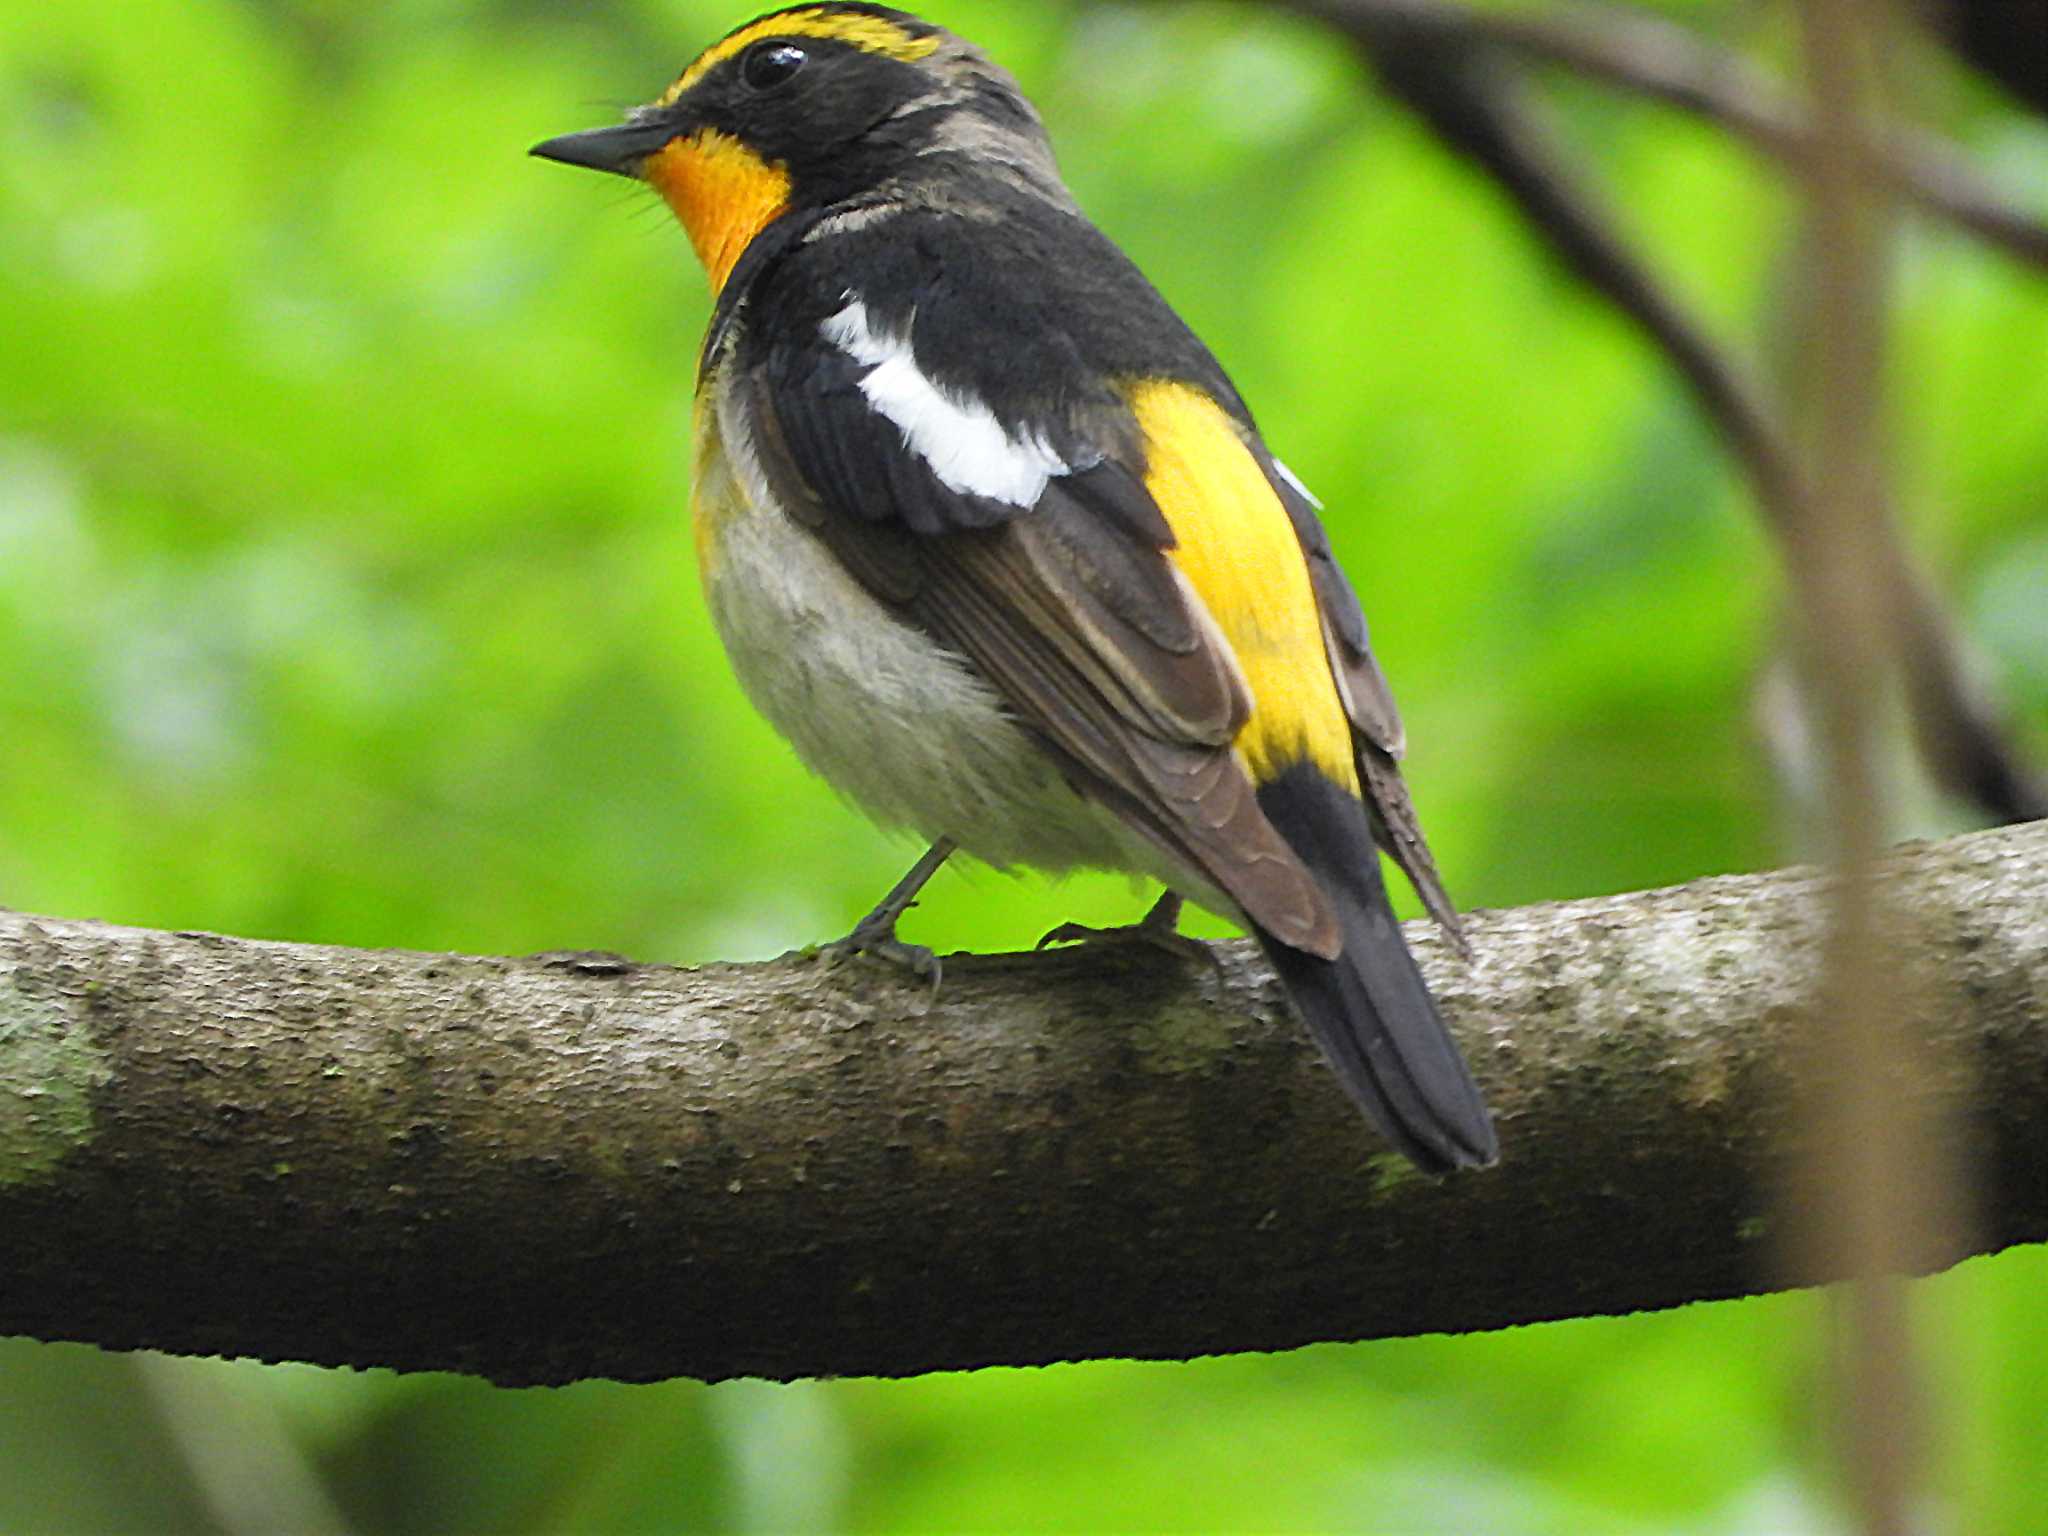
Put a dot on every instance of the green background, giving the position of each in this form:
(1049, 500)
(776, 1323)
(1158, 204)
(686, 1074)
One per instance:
(346, 595)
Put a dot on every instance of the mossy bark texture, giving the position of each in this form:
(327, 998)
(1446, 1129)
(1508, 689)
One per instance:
(543, 1169)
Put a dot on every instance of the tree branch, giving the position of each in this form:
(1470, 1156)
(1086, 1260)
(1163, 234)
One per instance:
(1673, 64)
(543, 1169)
(1433, 56)
(2006, 40)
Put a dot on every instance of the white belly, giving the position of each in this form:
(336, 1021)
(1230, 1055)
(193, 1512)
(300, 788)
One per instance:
(903, 728)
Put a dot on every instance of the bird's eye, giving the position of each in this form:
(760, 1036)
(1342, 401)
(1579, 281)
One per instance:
(769, 65)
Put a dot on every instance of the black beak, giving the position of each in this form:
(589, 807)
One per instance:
(618, 150)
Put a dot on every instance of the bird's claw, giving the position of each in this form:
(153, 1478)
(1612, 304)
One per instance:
(1073, 933)
(1155, 934)
(876, 936)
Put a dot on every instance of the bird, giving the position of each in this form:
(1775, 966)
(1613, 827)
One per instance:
(989, 536)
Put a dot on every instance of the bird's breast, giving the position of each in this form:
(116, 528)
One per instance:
(904, 727)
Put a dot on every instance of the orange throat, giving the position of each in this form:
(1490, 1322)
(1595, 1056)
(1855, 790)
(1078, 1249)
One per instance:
(723, 192)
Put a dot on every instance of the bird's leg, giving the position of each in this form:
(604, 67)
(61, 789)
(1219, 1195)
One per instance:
(875, 934)
(1159, 928)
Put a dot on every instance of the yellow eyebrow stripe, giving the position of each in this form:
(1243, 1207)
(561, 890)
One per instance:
(872, 34)
(1238, 549)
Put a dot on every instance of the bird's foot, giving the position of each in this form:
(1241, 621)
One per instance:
(875, 935)
(1159, 928)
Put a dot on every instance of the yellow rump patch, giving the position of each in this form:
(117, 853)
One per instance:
(872, 34)
(724, 193)
(1237, 548)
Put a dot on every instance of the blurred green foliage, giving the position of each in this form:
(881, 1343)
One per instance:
(345, 595)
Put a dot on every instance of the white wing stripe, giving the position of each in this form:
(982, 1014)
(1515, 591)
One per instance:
(1294, 480)
(961, 441)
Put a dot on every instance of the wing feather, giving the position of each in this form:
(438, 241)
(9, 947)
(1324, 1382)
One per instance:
(1369, 703)
(1070, 608)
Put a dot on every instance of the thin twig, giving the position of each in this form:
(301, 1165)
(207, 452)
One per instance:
(1430, 55)
(1670, 63)
(1868, 1168)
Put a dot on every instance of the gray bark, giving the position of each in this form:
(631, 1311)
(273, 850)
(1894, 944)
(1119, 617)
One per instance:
(543, 1169)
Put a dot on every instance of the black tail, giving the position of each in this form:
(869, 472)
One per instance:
(1368, 1009)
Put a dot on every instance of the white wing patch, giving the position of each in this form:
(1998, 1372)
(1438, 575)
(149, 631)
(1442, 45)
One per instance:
(1294, 480)
(961, 440)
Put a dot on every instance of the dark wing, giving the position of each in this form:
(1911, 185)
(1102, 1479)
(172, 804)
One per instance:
(1369, 702)
(1067, 606)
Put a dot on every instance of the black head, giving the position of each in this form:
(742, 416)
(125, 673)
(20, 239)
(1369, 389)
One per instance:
(838, 97)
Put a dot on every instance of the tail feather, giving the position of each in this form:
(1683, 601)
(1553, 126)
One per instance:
(1369, 1009)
